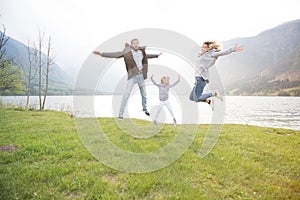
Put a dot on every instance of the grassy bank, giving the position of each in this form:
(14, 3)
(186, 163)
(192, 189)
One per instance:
(50, 162)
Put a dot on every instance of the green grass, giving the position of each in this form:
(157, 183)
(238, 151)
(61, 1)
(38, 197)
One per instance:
(51, 162)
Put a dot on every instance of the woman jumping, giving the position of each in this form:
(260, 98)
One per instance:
(209, 53)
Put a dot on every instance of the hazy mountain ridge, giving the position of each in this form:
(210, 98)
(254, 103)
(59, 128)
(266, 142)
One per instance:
(269, 64)
(269, 61)
(59, 81)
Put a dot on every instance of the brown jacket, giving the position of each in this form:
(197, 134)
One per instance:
(131, 66)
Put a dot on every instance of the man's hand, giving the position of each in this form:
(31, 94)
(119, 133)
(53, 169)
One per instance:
(97, 53)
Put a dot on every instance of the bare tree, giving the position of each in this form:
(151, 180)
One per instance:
(31, 70)
(40, 64)
(49, 62)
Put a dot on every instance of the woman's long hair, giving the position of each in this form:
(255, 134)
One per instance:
(212, 44)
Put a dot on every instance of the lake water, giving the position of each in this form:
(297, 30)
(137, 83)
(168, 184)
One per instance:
(283, 112)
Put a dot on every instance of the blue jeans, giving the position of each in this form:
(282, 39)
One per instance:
(139, 79)
(197, 92)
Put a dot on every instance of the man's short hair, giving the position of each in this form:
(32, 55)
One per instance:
(134, 40)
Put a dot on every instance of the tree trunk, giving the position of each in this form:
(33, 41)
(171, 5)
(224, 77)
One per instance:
(29, 77)
(40, 68)
(28, 92)
(48, 63)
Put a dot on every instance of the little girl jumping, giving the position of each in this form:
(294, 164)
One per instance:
(164, 96)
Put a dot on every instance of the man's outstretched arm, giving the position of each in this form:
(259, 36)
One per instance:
(109, 55)
(153, 55)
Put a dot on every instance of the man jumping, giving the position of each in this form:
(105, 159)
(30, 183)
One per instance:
(136, 61)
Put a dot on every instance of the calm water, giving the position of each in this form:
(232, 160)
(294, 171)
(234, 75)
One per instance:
(262, 111)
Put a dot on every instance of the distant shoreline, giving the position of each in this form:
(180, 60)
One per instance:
(122, 94)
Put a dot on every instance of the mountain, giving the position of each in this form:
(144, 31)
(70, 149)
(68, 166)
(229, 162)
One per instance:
(269, 64)
(60, 83)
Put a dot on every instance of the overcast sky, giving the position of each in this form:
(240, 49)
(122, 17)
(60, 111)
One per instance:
(78, 27)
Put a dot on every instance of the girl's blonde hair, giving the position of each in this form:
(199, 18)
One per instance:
(212, 44)
(164, 78)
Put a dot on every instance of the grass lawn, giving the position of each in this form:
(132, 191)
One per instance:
(50, 162)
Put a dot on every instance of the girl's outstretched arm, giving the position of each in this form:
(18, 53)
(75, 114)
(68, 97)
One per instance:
(178, 80)
(154, 81)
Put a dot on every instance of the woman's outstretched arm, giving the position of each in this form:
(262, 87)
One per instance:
(236, 48)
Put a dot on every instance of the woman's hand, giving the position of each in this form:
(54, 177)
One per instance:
(238, 48)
